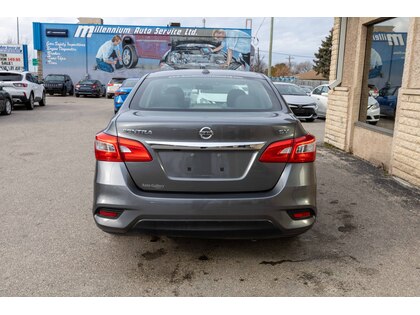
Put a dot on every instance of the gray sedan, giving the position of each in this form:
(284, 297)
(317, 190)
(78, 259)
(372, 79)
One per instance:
(302, 105)
(205, 153)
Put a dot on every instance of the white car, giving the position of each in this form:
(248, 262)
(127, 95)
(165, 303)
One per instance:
(113, 85)
(320, 95)
(23, 88)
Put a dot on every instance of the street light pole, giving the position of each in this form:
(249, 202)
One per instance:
(17, 29)
(270, 52)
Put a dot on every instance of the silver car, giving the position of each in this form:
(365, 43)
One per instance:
(208, 153)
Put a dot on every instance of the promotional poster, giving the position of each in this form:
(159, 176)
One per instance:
(387, 59)
(13, 57)
(104, 51)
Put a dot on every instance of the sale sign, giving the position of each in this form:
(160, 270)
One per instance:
(12, 57)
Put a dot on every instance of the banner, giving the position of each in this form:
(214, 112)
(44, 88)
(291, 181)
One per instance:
(105, 51)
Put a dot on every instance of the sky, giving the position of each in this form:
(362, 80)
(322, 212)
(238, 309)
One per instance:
(299, 37)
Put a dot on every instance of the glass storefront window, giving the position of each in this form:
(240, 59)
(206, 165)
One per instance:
(386, 45)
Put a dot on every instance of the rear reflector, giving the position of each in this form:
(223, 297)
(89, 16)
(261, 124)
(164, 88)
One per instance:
(108, 214)
(299, 150)
(116, 149)
(300, 214)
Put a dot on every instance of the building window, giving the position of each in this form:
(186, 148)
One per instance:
(384, 67)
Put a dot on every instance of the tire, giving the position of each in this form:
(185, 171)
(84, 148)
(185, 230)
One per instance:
(64, 92)
(310, 119)
(43, 101)
(51, 94)
(30, 103)
(71, 92)
(372, 122)
(8, 107)
(129, 56)
(108, 96)
(77, 95)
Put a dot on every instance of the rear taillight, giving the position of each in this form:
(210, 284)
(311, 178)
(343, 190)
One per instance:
(94, 86)
(120, 93)
(113, 149)
(133, 151)
(110, 214)
(299, 150)
(106, 148)
(20, 84)
(110, 84)
(300, 214)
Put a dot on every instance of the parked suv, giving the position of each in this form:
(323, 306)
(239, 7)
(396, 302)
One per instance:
(58, 84)
(113, 85)
(23, 88)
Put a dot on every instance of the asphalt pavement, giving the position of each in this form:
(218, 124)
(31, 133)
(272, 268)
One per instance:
(365, 242)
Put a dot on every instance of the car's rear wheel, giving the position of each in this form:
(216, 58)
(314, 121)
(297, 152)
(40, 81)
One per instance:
(51, 94)
(129, 56)
(7, 107)
(108, 96)
(43, 101)
(71, 92)
(77, 95)
(64, 92)
(30, 103)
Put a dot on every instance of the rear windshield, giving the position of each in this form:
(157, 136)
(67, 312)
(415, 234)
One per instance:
(54, 78)
(205, 93)
(117, 80)
(130, 82)
(87, 82)
(289, 89)
(10, 77)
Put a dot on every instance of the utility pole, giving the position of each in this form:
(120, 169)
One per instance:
(290, 62)
(204, 22)
(17, 29)
(270, 52)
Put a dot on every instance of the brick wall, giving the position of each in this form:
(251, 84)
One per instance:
(406, 146)
(337, 117)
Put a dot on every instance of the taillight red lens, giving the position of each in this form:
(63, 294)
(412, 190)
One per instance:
(120, 93)
(106, 148)
(133, 151)
(277, 152)
(299, 150)
(300, 214)
(110, 84)
(108, 214)
(113, 149)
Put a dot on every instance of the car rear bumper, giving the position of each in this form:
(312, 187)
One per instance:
(87, 92)
(229, 215)
(16, 95)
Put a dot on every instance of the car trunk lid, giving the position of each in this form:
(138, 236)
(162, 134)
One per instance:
(209, 152)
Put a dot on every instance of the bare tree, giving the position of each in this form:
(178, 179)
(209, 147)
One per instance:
(302, 67)
(259, 64)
